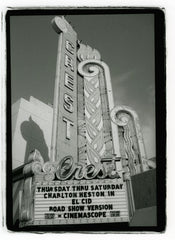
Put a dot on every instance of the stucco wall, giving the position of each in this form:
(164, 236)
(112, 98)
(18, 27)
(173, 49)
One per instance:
(31, 129)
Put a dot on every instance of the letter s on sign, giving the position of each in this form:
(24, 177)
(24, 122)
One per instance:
(68, 103)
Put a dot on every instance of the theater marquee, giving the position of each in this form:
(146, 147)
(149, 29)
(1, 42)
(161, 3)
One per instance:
(85, 201)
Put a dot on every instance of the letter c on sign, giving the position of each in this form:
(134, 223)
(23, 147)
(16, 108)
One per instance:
(66, 168)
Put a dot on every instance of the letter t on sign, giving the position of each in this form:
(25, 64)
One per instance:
(68, 124)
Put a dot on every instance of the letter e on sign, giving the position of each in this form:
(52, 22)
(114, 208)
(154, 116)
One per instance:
(69, 81)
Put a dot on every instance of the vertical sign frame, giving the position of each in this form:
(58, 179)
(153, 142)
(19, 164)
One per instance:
(64, 130)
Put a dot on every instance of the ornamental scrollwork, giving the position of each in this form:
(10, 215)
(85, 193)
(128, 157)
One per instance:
(87, 68)
(131, 139)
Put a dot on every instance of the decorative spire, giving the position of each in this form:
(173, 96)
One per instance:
(85, 52)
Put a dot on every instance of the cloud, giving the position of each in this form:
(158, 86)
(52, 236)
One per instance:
(124, 76)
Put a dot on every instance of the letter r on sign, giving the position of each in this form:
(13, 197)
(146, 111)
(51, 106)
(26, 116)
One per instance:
(69, 62)
(69, 47)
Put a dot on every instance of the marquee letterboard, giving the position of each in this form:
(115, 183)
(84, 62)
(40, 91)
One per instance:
(69, 202)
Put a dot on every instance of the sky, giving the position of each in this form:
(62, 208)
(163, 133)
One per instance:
(126, 45)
